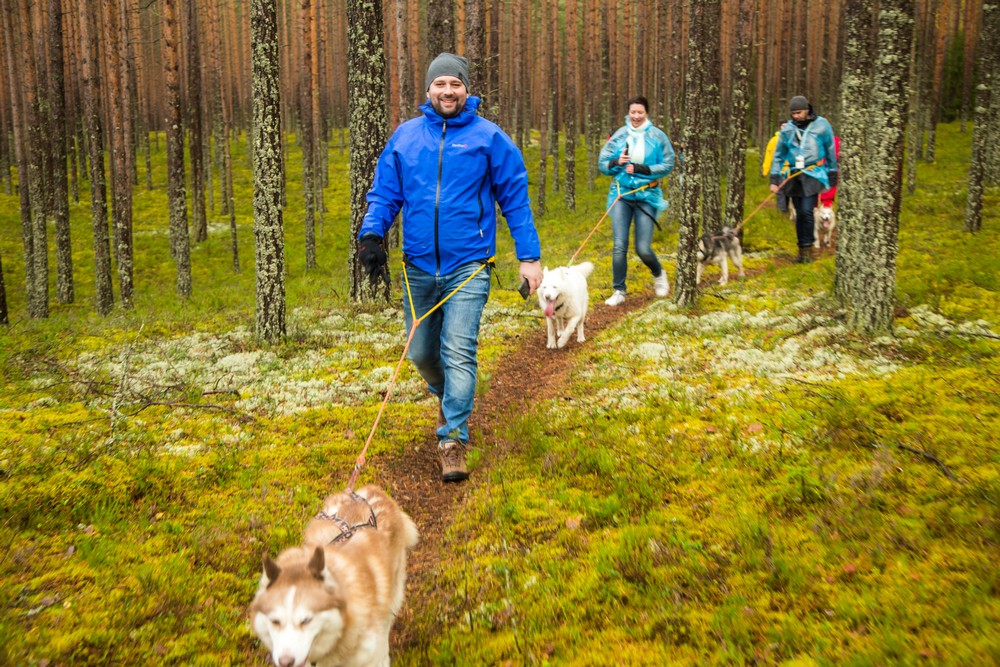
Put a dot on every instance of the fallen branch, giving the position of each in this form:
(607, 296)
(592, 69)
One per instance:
(933, 459)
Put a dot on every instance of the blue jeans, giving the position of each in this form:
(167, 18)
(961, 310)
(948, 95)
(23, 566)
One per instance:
(623, 213)
(443, 349)
(805, 222)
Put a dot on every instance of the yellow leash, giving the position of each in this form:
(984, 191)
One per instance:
(621, 194)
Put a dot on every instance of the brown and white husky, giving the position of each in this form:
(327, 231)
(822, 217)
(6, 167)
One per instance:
(331, 601)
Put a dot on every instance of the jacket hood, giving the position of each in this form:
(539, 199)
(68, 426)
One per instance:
(465, 116)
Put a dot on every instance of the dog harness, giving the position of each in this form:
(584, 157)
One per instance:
(347, 530)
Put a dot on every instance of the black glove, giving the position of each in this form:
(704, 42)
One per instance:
(372, 257)
(641, 169)
(834, 177)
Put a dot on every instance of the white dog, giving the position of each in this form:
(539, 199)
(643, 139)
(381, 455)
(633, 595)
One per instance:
(564, 298)
(331, 601)
(826, 221)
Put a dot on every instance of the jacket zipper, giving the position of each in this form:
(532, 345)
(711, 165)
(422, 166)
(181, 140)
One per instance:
(437, 199)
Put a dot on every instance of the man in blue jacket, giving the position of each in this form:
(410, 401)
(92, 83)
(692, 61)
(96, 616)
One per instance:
(447, 170)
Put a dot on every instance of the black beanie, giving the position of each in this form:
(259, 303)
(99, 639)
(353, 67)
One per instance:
(798, 103)
(448, 64)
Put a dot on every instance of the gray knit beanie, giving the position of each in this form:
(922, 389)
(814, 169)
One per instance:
(448, 64)
(798, 103)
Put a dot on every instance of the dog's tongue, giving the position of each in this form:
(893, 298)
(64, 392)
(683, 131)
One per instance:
(550, 308)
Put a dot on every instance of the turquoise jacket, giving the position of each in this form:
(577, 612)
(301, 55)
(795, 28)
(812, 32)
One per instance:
(814, 144)
(659, 158)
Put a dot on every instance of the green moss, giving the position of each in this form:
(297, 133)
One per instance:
(746, 481)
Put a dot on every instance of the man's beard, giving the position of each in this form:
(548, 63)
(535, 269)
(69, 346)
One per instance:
(440, 110)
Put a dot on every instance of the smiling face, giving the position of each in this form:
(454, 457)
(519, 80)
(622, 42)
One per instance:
(637, 114)
(447, 95)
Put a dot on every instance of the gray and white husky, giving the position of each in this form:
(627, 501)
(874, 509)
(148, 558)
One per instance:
(716, 248)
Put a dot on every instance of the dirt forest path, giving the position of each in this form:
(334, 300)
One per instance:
(530, 373)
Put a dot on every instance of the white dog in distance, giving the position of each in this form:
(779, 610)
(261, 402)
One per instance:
(564, 298)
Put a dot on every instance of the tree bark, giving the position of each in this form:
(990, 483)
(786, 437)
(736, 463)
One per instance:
(685, 287)
(710, 161)
(440, 28)
(121, 181)
(981, 134)
(199, 220)
(90, 84)
(365, 74)
(57, 130)
(180, 244)
(37, 252)
(573, 100)
(739, 97)
(306, 138)
(268, 175)
(872, 299)
(859, 53)
(4, 319)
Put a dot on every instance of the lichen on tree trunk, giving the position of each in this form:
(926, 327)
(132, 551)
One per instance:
(268, 175)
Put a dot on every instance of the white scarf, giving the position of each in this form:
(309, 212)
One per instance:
(636, 140)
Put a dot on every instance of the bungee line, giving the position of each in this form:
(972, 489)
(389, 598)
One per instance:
(360, 461)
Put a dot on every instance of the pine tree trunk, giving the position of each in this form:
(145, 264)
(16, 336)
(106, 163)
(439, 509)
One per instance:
(90, 84)
(9, 22)
(121, 182)
(37, 255)
(544, 134)
(180, 244)
(685, 287)
(199, 221)
(365, 74)
(404, 64)
(4, 319)
(440, 28)
(268, 176)
(872, 304)
(854, 132)
(738, 105)
(306, 137)
(57, 130)
(987, 70)
(573, 100)
(711, 120)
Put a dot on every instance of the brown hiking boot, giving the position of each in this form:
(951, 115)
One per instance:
(451, 453)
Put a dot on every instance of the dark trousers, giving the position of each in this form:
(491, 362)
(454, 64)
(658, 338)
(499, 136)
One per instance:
(805, 223)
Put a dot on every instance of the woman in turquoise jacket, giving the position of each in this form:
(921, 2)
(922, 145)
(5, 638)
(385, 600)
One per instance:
(636, 156)
(805, 142)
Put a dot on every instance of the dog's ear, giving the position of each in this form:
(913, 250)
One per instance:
(545, 271)
(271, 570)
(317, 563)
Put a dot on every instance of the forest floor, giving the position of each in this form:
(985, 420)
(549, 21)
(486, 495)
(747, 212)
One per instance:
(743, 481)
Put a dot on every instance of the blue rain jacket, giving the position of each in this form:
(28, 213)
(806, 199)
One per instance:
(659, 158)
(814, 144)
(447, 176)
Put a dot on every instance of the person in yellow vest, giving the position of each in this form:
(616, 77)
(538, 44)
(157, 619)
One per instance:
(765, 170)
